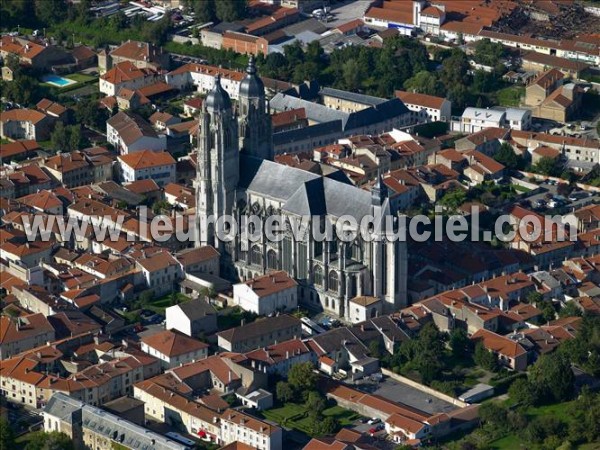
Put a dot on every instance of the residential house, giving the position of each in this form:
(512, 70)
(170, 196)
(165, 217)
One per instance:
(53, 109)
(130, 133)
(510, 354)
(25, 124)
(194, 318)
(126, 75)
(173, 348)
(18, 334)
(91, 427)
(365, 307)
(143, 55)
(436, 109)
(160, 272)
(18, 150)
(260, 333)
(278, 359)
(267, 294)
(147, 164)
(241, 427)
(79, 168)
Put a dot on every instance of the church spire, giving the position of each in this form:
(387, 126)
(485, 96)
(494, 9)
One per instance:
(379, 191)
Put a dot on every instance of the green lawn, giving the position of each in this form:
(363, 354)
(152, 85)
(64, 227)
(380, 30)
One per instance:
(81, 77)
(510, 96)
(558, 411)
(510, 442)
(293, 415)
(159, 305)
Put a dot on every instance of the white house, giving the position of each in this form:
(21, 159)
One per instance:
(194, 318)
(267, 294)
(474, 120)
(258, 399)
(477, 119)
(174, 348)
(147, 164)
(364, 307)
(130, 133)
(126, 75)
(518, 119)
(160, 271)
(202, 77)
(241, 427)
(436, 109)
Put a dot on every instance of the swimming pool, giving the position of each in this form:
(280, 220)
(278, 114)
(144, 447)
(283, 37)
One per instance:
(57, 81)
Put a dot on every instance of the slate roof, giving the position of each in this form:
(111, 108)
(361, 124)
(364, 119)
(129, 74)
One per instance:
(352, 96)
(196, 309)
(109, 425)
(302, 192)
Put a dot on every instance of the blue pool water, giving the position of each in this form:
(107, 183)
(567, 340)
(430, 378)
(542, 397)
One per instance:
(58, 81)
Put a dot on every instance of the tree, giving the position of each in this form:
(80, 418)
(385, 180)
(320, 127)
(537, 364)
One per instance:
(553, 378)
(493, 412)
(146, 297)
(284, 392)
(507, 157)
(460, 342)
(302, 378)
(548, 311)
(50, 12)
(66, 139)
(534, 297)
(547, 166)
(453, 198)
(230, 10)
(424, 82)
(455, 70)
(569, 310)
(88, 113)
(522, 392)
(49, 441)
(7, 436)
(315, 403)
(488, 52)
(353, 75)
(204, 10)
(484, 358)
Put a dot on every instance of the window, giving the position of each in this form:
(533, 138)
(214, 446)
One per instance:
(333, 281)
(256, 256)
(318, 275)
(272, 262)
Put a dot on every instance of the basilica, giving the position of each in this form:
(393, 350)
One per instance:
(236, 176)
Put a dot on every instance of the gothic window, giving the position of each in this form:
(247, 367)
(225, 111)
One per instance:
(318, 275)
(286, 254)
(333, 281)
(318, 248)
(256, 256)
(272, 262)
(302, 261)
(355, 252)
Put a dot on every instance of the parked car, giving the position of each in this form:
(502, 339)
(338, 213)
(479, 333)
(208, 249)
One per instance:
(373, 421)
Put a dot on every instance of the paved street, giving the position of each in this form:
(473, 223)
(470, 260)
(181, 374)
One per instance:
(347, 11)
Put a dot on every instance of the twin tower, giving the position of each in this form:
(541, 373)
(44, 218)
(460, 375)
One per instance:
(224, 132)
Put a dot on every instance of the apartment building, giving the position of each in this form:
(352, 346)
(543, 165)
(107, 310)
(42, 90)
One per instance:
(148, 164)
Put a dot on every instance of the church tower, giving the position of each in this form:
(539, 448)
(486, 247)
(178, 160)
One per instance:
(255, 129)
(217, 167)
